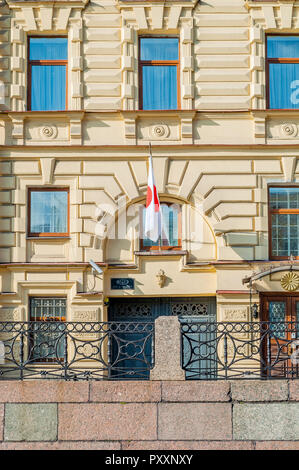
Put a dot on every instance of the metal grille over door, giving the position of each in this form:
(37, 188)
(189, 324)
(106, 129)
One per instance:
(188, 309)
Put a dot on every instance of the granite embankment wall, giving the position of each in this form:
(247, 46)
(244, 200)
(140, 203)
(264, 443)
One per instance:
(153, 415)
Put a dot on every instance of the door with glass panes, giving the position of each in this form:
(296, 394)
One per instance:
(280, 344)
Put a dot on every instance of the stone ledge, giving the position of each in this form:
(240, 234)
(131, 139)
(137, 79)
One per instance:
(260, 390)
(195, 391)
(132, 392)
(45, 391)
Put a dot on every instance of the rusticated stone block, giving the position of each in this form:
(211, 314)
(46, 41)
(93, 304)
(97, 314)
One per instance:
(30, 422)
(55, 391)
(187, 445)
(194, 421)
(73, 445)
(294, 390)
(91, 422)
(133, 391)
(197, 391)
(277, 445)
(259, 390)
(1, 421)
(266, 421)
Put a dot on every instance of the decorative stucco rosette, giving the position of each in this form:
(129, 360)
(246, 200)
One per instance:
(289, 130)
(48, 132)
(290, 281)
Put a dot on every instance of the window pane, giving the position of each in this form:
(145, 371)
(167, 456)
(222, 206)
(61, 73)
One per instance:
(159, 87)
(159, 49)
(284, 198)
(282, 46)
(284, 86)
(47, 341)
(170, 235)
(277, 314)
(285, 234)
(48, 87)
(49, 212)
(48, 49)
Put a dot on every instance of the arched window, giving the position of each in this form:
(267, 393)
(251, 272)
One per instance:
(171, 238)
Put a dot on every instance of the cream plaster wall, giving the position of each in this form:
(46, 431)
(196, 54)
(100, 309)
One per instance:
(216, 155)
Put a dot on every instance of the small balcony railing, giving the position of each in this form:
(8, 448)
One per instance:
(76, 350)
(230, 350)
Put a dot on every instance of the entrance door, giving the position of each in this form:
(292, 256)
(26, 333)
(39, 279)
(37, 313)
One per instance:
(146, 310)
(280, 342)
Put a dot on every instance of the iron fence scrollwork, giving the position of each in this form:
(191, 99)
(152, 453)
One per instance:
(231, 350)
(76, 350)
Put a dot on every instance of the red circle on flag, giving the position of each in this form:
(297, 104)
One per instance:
(149, 196)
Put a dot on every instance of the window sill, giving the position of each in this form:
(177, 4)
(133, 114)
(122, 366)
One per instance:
(48, 238)
(161, 253)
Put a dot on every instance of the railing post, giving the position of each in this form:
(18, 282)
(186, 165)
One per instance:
(225, 354)
(167, 350)
(65, 362)
(22, 356)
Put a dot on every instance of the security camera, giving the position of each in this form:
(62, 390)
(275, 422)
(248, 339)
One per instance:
(95, 267)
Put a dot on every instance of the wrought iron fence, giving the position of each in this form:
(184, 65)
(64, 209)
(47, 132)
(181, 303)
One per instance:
(229, 350)
(76, 350)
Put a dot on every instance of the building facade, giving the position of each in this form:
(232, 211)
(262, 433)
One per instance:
(85, 87)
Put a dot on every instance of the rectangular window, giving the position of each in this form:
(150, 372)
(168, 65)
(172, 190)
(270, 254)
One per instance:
(48, 212)
(283, 72)
(171, 238)
(47, 339)
(159, 73)
(47, 85)
(284, 222)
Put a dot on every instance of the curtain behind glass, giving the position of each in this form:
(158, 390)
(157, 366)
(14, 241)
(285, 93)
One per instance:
(159, 87)
(48, 49)
(48, 212)
(159, 49)
(284, 86)
(48, 87)
(282, 47)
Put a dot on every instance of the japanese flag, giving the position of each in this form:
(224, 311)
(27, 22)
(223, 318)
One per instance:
(153, 213)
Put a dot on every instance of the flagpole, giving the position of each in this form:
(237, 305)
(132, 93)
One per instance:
(160, 239)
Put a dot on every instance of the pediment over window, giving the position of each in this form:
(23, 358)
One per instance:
(274, 15)
(43, 15)
(157, 15)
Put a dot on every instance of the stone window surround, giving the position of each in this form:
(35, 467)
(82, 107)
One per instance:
(142, 19)
(21, 213)
(38, 19)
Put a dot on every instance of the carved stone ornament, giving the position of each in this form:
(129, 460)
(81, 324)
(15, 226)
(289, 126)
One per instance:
(290, 281)
(159, 131)
(48, 132)
(161, 278)
(289, 130)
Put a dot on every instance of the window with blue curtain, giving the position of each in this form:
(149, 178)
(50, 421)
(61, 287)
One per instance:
(48, 214)
(159, 73)
(283, 72)
(48, 73)
(171, 229)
